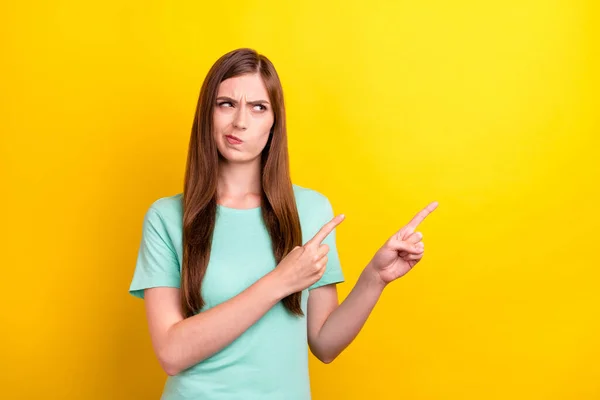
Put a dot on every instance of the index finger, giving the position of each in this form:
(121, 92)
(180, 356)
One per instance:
(417, 219)
(326, 230)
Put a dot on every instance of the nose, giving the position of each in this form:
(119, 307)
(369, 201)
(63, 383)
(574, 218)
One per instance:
(240, 120)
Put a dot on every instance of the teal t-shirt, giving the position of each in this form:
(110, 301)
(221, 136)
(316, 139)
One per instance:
(269, 361)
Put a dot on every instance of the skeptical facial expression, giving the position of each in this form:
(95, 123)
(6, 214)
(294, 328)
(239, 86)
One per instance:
(242, 118)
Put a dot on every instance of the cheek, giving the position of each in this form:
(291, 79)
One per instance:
(261, 134)
(265, 132)
(266, 129)
(268, 125)
(219, 122)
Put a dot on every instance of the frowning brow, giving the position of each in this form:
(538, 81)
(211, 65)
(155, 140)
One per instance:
(225, 98)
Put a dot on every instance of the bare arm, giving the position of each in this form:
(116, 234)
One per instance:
(181, 343)
(331, 328)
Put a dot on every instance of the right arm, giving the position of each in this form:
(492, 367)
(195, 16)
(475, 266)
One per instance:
(182, 342)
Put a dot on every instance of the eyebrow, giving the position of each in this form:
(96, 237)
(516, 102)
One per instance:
(249, 102)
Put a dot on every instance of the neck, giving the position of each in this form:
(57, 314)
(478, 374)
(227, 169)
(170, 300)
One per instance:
(238, 181)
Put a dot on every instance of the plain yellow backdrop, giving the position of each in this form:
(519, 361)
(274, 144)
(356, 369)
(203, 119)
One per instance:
(489, 107)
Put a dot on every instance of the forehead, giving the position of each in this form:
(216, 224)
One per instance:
(250, 86)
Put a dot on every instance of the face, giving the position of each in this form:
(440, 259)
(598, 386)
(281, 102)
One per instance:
(243, 112)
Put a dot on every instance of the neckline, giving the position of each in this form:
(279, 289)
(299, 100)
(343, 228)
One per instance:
(238, 210)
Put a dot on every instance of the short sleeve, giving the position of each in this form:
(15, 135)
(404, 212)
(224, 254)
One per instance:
(157, 263)
(333, 270)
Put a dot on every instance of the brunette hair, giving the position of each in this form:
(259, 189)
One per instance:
(278, 206)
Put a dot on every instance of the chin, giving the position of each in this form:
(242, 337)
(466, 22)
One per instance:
(235, 156)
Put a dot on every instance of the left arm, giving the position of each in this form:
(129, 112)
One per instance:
(331, 328)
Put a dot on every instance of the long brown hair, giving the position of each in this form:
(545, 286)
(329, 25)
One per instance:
(279, 211)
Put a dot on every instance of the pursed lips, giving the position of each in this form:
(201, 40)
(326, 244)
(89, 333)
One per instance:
(234, 138)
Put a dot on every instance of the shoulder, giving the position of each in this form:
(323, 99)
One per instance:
(313, 206)
(310, 198)
(167, 209)
(314, 210)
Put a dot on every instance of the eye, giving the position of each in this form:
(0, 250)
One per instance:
(261, 107)
(222, 103)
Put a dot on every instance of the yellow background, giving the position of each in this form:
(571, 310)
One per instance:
(489, 107)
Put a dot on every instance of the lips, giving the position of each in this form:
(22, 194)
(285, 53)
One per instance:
(233, 139)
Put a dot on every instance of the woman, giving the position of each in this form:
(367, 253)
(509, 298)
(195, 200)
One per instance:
(226, 268)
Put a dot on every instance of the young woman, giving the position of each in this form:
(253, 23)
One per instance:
(239, 271)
